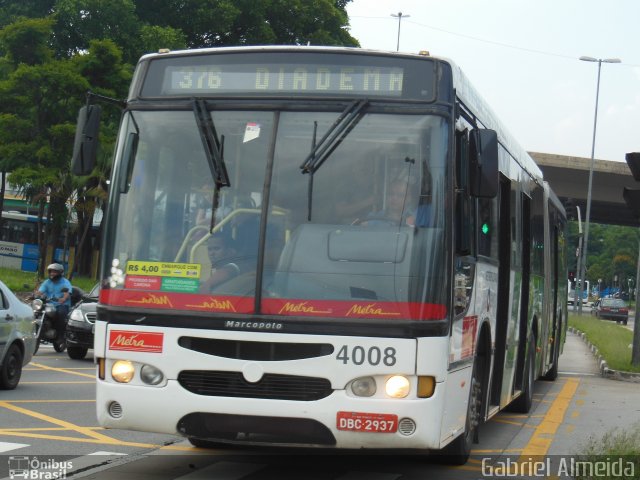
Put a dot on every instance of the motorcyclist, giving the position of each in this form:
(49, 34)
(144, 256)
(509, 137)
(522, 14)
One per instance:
(57, 289)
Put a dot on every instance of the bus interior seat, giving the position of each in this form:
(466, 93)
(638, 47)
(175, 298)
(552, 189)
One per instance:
(200, 254)
(345, 263)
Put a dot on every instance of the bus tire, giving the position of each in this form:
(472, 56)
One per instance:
(202, 443)
(11, 369)
(523, 403)
(458, 451)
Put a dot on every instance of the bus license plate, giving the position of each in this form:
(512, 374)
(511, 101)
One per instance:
(367, 422)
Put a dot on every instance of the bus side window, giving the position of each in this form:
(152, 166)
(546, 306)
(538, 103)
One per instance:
(464, 217)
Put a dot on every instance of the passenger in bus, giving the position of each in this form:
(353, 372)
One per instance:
(222, 253)
(353, 193)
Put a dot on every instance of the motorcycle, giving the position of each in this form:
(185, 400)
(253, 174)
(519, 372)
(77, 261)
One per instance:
(48, 323)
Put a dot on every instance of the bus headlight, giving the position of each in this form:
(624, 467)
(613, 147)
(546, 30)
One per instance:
(363, 387)
(151, 375)
(397, 386)
(122, 371)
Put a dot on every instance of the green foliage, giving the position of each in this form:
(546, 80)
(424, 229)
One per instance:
(612, 251)
(612, 340)
(153, 38)
(12, 10)
(613, 446)
(53, 51)
(27, 41)
(80, 21)
(17, 279)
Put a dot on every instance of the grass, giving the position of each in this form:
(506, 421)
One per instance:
(17, 279)
(612, 340)
(618, 445)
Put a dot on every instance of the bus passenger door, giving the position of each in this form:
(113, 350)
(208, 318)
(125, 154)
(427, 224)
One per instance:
(509, 285)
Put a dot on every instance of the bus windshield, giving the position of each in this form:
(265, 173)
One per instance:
(362, 236)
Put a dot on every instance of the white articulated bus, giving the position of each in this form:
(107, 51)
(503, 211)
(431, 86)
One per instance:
(321, 247)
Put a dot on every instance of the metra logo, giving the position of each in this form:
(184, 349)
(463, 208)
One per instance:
(135, 341)
(151, 299)
(215, 304)
(300, 307)
(370, 309)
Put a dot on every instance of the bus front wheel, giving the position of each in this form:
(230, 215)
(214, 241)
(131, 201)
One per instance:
(202, 443)
(458, 451)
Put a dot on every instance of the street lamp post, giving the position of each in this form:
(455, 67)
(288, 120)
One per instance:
(399, 15)
(585, 242)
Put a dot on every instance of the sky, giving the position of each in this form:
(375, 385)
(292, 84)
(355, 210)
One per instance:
(523, 58)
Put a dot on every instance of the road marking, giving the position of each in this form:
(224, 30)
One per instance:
(224, 471)
(108, 441)
(511, 422)
(46, 429)
(87, 432)
(53, 401)
(541, 439)
(7, 447)
(93, 369)
(102, 452)
(62, 370)
(56, 383)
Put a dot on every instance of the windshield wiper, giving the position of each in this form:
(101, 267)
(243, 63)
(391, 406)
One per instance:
(214, 151)
(321, 150)
(348, 119)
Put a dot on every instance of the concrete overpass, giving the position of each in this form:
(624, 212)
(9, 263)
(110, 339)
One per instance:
(569, 179)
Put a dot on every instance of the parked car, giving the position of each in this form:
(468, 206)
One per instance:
(612, 309)
(17, 337)
(80, 327)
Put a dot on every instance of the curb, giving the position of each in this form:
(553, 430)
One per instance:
(605, 371)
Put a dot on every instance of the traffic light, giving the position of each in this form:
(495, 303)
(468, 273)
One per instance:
(632, 195)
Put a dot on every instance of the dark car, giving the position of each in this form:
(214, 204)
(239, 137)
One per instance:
(613, 309)
(80, 327)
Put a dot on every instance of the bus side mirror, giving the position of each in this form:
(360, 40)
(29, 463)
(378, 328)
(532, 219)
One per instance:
(483, 158)
(85, 146)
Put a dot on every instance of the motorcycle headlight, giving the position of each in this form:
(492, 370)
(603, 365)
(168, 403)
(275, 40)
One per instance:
(37, 304)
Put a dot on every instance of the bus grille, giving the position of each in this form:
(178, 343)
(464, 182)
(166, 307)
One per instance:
(271, 386)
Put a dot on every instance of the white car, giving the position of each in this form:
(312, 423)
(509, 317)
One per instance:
(17, 337)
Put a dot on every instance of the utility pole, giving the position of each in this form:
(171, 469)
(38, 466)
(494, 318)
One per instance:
(399, 16)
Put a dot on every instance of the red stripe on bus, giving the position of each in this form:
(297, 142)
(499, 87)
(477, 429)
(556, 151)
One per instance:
(274, 306)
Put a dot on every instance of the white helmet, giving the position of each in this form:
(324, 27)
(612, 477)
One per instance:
(56, 267)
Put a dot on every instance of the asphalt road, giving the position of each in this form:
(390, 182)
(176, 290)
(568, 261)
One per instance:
(50, 419)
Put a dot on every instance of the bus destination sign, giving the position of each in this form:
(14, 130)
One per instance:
(284, 79)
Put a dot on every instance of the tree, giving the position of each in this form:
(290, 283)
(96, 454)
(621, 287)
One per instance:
(53, 51)
(26, 41)
(38, 103)
(209, 23)
(80, 21)
(103, 67)
(12, 10)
